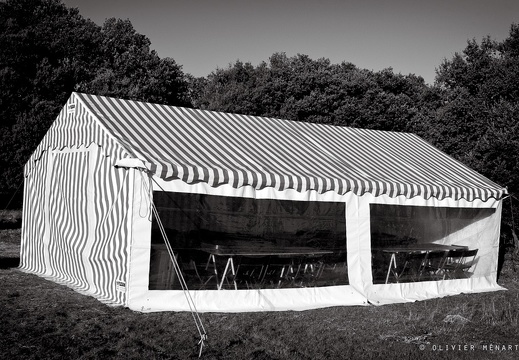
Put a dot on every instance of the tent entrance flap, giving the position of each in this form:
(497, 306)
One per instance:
(245, 243)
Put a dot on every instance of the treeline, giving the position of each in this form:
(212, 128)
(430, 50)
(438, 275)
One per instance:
(49, 50)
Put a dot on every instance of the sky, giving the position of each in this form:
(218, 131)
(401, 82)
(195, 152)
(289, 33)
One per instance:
(409, 36)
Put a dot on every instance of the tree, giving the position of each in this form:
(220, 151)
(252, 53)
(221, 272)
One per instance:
(48, 51)
(129, 69)
(478, 120)
(480, 93)
(46, 47)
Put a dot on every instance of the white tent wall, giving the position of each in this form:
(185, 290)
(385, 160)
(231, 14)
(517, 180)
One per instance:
(482, 234)
(142, 299)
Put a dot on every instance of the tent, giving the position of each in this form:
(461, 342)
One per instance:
(131, 202)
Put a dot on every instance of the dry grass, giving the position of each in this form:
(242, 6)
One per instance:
(10, 219)
(43, 320)
(10, 243)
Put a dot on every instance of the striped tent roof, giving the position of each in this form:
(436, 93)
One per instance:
(222, 148)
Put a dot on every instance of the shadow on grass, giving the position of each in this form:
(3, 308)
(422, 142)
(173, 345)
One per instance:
(10, 262)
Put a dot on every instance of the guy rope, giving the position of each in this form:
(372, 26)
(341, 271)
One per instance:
(196, 316)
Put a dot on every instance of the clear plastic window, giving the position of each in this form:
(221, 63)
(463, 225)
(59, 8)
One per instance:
(242, 243)
(418, 243)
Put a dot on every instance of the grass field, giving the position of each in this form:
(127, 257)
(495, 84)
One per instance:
(44, 320)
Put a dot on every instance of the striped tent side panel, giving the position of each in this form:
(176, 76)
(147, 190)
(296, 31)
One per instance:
(68, 225)
(108, 256)
(33, 223)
